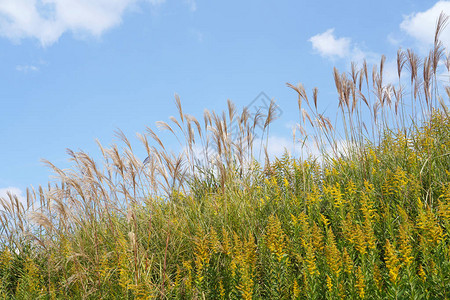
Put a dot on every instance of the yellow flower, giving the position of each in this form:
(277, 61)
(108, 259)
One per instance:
(334, 172)
(432, 232)
(214, 241)
(337, 196)
(226, 245)
(329, 284)
(313, 196)
(325, 221)
(5, 258)
(422, 273)
(296, 289)
(392, 262)
(348, 262)
(360, 238)
(275, 237)
(311, 259)
(221, 290)
(360, 286)
(104, 266)
(317, 237)
(294, 220)
(188, 267)
(351, 188)
(246, 285)
(377, 276)
(202, 255)
(333, 254)
(444, 204)
(405, 246)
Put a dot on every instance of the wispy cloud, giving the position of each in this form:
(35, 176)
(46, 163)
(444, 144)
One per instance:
(334, 48)
(192, 4)
(27, 68)
(328, 45)
(421, 25)
(279, 145)
(11, 190)
(48, 20)
(394, 40)
(197, 35)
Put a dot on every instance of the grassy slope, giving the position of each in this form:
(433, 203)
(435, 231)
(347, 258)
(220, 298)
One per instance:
(371, 223)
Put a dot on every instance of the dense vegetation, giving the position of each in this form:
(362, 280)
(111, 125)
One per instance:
(369, 219)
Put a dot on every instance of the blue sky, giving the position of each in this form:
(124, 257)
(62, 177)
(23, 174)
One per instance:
(73, 71)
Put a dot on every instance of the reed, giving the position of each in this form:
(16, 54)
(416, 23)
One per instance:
(369, 219)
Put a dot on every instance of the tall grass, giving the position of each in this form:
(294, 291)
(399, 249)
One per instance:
(368, 220)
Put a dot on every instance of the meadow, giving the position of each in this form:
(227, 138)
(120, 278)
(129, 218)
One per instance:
(368, 219)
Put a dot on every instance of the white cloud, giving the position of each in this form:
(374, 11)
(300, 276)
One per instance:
(329, 46)
(394, 40)
(48, 20)
(192, 4)
(348, 51)
(27, 68)
(332, 47)
(421, 25)
(198, 35)
(278, 145)
(13, 191)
